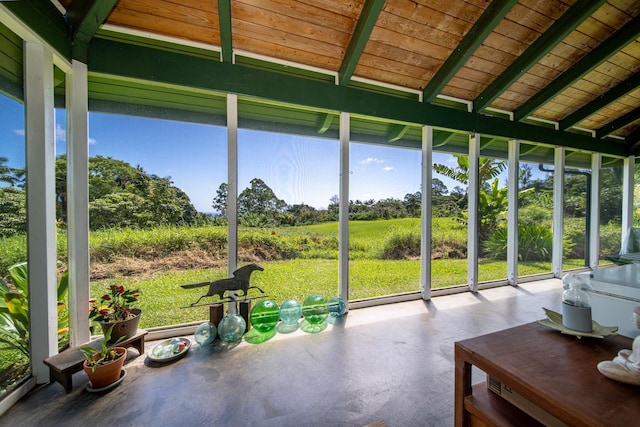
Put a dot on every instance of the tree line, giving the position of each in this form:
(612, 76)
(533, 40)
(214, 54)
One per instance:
(121, 195)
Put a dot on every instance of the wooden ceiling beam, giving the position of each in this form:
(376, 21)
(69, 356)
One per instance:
(85, 17)
(557, 32)
(441, 138)
(491, 17)
(45, 20)
(366, 22)
(487, 142)
(397, 132)
(325, 123)
(224, 17)
(597, 56)
(530, 148)
(633, 141)
(618, 123)
(160, 67)
(600, 102)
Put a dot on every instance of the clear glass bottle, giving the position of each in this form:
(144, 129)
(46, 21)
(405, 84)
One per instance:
(576, 307)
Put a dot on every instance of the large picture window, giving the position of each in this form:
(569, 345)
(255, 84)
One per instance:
(153, 226)
(14, 355)
(288, 213)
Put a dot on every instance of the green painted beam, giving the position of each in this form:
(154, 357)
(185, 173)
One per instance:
(162, 67)
(11, 89)
(528, 150)
(600, 102)
(491, 17)
(361, 33)
(487, 142)
(597, 56)
(441, 138)
(325, 123)
(45, 20)
(618, 123)
(155, 112)
(633, 141)
(85, 17)
(397, 132)
(224, 15)
(557, 32)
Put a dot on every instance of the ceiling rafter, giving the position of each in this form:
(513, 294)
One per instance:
(325, 123)
(224, 16)
(46, 21)
(601, 53)
(396, 132)
(530, 149)
(489, 19)
(367, 20)
(85, 17)
(442, 138)
(602, 101)
(618, 123)
(633, 141)
(557, 32)
(487, 142)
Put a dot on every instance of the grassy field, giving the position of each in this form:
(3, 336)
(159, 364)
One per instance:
(297, 261)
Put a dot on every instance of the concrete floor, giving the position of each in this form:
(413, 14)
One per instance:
(391, 364)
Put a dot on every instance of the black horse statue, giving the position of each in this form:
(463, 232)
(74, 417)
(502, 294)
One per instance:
(239, 282)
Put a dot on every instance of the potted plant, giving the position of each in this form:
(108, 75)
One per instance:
(103, 365)
(116, 313)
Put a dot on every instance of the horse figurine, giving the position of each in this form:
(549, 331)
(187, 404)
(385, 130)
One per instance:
(239, 282)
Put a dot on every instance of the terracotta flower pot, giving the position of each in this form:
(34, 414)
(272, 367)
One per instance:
(123, 328)
(106, 374)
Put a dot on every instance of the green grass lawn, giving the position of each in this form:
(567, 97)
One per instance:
(162, 295)
(314, 271)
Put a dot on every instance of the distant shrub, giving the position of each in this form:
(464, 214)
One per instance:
(448, 248)
(401, 243)
(610, 239)
(534, 214)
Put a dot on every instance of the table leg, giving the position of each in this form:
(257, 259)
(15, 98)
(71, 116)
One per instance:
(462, 386)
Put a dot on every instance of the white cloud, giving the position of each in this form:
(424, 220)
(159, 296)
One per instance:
(61, 133)
(388, 169)
(370, 160)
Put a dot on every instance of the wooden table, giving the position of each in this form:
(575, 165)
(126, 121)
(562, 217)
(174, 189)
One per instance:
(556, 372)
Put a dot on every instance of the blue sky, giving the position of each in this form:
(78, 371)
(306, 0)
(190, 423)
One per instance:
(298, 169)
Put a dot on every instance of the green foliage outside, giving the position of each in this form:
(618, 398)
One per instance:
(15, 320)
(139, 218)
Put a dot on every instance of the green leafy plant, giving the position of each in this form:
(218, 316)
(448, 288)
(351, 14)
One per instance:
(534, 243)
(114, 306)
(104, 354)
(14, 309)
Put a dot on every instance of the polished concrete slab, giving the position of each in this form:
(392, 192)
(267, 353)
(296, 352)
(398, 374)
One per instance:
(389, 364)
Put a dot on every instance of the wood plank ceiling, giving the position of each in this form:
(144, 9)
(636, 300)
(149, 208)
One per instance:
(573, 62)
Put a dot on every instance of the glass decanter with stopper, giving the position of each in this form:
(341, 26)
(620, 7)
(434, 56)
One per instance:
(576, 307)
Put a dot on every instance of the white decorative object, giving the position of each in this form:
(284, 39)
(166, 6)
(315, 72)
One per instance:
(625, 367)
(554, 321)
(576, 305)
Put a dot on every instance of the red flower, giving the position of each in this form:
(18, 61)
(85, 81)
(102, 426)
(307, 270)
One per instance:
(92, 301)
(104, 312)
(106, 297)
(121, 290)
